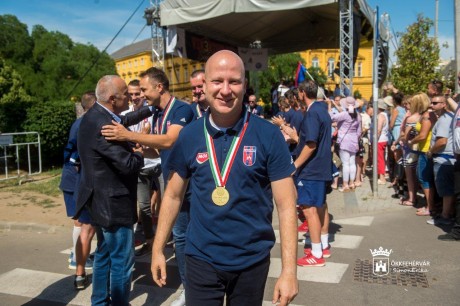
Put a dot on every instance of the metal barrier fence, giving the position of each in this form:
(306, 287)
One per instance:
(13, 145)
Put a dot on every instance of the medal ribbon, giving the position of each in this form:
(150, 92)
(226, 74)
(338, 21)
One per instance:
(160, 127)
(198, 110)
(220, 178)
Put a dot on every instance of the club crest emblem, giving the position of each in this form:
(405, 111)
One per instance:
(249, 155)
(202, 157)
(381, 261)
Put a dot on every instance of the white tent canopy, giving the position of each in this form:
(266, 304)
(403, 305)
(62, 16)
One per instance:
(282, 26)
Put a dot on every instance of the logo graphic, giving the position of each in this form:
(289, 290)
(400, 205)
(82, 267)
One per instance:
(202, 157)
(249, 155)
(381, 261)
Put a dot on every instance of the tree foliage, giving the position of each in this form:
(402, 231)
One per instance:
(53, 121)
(418, 56)
(49, 62)
(281, 68)
(13, 99)
(47, 67)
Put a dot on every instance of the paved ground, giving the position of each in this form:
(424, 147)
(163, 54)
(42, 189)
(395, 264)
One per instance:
(33, 266)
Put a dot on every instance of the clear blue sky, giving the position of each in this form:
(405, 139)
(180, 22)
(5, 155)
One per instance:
(97, 21)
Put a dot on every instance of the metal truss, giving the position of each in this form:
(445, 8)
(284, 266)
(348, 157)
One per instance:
(152, 16)
(346, 46)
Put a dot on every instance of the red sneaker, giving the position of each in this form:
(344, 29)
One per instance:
(303, 228)
(326, 252)
(311, 261)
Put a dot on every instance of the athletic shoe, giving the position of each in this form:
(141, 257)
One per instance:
(80, 282)
(449, 237)
(311, 261)
(70, 257)
(88, 265)
(326, 252)
(303, 228)
(180, 301)
(439, 221)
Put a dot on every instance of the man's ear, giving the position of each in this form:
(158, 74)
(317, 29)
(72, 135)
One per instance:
(112, 100)
(160, 88)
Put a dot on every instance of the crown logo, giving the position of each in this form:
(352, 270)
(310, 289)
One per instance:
(380, 252)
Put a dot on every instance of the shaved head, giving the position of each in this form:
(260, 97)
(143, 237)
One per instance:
(222, 57)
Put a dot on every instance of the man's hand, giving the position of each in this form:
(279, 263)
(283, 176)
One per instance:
(286, 289)
(158, 268)
(115, 132)
(278, 120)
(139, 149)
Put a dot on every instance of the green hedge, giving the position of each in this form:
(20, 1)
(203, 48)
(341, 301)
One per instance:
(53, 121)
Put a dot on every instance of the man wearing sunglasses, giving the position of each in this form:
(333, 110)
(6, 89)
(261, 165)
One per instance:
(443, 159)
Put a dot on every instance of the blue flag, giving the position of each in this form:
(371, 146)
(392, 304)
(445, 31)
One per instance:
(300, 74)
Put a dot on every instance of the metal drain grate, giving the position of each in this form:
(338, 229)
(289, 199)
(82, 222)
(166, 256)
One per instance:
(363, 273)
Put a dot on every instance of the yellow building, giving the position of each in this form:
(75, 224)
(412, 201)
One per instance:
(327, 60)
(135, 58)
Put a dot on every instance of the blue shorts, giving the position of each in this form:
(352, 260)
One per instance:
(71, 207)
(425, 171)
(311, 193)
(443, 178)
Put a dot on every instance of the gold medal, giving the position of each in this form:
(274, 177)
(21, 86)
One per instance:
(220, 196)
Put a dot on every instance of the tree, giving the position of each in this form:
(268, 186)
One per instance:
(15, 42)
(281, 67)
(318, 75)
(49, 62)
(418, 57)
(52, 120)
(13, 99)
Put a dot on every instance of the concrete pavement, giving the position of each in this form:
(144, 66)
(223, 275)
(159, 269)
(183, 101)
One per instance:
(33, 269)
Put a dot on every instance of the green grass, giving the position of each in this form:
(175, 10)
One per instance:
(46, 183)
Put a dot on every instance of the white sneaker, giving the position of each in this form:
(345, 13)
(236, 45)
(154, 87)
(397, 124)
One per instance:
(180, 301)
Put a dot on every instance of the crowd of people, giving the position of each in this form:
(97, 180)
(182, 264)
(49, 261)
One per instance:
(210, 172)
(416, 145)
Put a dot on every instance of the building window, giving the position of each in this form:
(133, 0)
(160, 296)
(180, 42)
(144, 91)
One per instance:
(185, 73)
(360, 69)
(142, 61)
(315, 62)
(135, 63)
(330, 66)
(177, 71)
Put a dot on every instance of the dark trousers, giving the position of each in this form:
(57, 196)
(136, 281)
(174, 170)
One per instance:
(456, 229)
(207, 286)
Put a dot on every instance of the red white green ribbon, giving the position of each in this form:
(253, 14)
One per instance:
(198, 110)
(220, 178)
(161, 127)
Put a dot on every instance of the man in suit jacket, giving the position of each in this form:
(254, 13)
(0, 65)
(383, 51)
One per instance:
(108, 189)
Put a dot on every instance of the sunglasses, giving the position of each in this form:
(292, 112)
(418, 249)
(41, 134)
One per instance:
(435, 102)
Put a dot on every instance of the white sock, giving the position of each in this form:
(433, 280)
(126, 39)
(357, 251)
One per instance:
(316, 250)
(325, 240)
(75, 234)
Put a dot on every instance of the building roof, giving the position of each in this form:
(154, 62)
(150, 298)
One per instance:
(133, 49)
